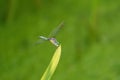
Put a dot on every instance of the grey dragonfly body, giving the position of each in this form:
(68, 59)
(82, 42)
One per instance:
(52, 35)
(52, 40)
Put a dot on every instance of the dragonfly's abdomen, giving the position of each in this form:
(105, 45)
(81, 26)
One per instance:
(44, 38)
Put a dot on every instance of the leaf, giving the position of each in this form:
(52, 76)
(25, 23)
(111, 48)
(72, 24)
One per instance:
(53, 64)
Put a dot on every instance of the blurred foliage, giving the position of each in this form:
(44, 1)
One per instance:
(90, 39)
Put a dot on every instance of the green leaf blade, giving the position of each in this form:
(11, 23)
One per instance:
(53, 64)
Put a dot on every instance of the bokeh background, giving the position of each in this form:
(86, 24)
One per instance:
(90, 39)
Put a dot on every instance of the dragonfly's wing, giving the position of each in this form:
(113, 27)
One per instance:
(56, 30)
(41, 39)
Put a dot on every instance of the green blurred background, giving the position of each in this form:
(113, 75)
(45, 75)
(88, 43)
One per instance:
(90, 39)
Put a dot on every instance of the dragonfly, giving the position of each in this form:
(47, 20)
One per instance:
(52, 35)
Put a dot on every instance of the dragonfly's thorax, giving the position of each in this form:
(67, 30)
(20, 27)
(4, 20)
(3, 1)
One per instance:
(52, 38)
(52, 35)
(54, 41)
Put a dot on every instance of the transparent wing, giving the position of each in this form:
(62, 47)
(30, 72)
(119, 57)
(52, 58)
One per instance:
(42, 39)
(56, 30)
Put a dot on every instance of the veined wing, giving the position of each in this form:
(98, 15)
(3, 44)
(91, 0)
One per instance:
(42, 39)
(56, 30)
(52, 34)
